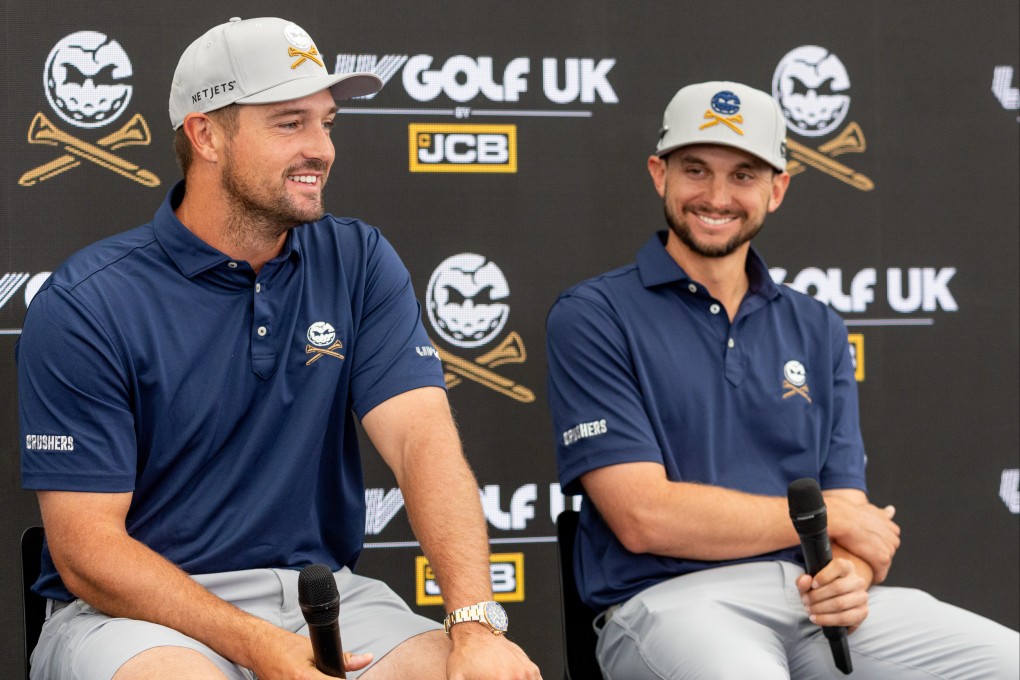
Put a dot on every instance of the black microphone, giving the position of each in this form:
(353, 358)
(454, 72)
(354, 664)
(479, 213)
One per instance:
(807, 510)
(320, 605)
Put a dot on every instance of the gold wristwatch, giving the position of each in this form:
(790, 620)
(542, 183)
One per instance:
(488, 613)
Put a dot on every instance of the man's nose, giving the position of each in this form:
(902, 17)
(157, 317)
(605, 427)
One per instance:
(717, 194)
(318, 145)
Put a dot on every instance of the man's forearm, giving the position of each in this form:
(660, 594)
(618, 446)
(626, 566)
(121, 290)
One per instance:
(650, 514)
(442, 501)
(124, 578)
(863, 569)
(415, 434)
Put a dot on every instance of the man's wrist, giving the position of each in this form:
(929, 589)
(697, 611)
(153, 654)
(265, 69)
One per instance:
(468, 629)
(489, 614)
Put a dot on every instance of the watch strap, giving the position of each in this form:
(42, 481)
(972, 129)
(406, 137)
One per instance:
(475, 612)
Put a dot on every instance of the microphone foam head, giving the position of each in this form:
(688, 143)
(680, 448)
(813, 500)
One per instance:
(807, 506)
(804, 496)
(318, 594)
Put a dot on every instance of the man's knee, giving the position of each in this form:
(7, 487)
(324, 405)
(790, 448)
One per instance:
(176, 663)
(422, 657)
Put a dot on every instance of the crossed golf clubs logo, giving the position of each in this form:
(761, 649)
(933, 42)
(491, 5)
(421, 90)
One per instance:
(792, 389)
(729, 121)
(849, 140)
(319, 352)
(311, 54)
(511, 350)
(135, 132)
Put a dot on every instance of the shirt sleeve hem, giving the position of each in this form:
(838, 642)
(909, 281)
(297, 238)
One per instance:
(77, 482)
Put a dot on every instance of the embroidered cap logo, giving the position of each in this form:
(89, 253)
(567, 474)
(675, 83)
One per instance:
(302, 46)
(725, 110)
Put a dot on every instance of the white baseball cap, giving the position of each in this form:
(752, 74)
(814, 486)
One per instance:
(725, 113)
(256, 61)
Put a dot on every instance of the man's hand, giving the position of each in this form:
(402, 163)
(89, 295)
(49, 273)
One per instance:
(865, 530)
(836, 596)
(479, 655)
(289, 656)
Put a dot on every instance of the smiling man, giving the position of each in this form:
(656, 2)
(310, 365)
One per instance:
(205, 371)
(713, 389)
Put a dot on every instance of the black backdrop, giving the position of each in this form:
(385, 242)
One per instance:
(517, 133)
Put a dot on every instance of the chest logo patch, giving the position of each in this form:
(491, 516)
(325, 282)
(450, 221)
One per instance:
(795, 380)
(322, 342)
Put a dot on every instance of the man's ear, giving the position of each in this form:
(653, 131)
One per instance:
(205, 136)
(657, 169)
(780, 183)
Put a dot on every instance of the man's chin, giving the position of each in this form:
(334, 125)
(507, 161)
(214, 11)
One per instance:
(308, 211)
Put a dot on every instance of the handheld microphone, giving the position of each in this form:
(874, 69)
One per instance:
(807, 510)
(320, 605)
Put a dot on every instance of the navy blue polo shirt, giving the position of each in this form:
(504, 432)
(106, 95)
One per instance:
(644, 365)
(223, 399)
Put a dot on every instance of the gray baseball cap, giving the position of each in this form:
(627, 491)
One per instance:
(256, 61)
(725, 113)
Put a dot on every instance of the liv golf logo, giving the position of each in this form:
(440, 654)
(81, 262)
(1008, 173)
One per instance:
(463, 87)
(11, 284)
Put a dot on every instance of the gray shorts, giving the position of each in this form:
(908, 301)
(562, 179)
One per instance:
(747, 621)
(80, 643)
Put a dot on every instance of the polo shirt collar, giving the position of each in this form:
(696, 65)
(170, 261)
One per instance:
(656, 267)
(191, 254)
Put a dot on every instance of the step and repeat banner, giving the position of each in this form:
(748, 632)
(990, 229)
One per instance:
(505, 160)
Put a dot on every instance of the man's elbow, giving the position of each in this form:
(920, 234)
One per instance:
(637, 533)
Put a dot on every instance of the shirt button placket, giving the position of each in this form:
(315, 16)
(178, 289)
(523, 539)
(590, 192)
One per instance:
(261, 311)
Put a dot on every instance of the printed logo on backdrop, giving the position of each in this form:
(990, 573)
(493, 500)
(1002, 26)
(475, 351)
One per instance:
(505, 569)
(812, 87)
(87, 83)
(1009, 489)
(1003, 89)
(462, 148)
(467, 306)
(464, 87)
(906, 291)
(462, 79)
(857, 354)
(11, 312)
(512, 511)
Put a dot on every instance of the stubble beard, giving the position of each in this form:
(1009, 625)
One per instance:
(259, 213)
(682, 229)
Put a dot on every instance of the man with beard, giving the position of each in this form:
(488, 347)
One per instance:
(202, 375)
(687, 391)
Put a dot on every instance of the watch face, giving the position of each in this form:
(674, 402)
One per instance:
(496, 616)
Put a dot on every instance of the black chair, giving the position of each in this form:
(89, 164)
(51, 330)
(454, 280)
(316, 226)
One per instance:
(35, 606)
(578, 637)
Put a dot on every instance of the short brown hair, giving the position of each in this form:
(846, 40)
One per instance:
(227, 117)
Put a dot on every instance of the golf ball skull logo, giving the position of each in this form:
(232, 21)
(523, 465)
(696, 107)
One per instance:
(810, 84)
(795, 373)
(297, 36)
(86, 78)
(321, 334)
(464, 300)
(725, 103)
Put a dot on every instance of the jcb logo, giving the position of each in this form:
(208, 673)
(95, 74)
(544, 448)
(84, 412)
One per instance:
(505, 569)
(462, 148)
(857, 354)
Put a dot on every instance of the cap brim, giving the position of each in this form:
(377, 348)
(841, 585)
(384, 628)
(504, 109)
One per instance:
(341, 86)
(661, 153)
